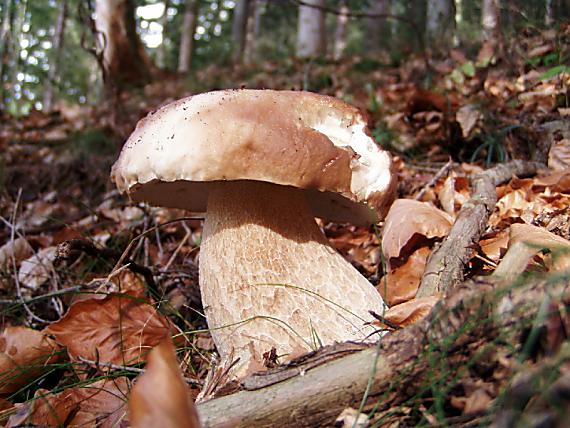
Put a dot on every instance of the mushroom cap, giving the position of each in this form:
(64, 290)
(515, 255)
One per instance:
(291, 138)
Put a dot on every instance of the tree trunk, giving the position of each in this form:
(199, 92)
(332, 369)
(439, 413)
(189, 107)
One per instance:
(377, 30)
(57, 48)
(314, 391)
(5, 45)
(548, 14)
(161, 52)
(490, 18)
(250, 47)
(187, 36)
(340, 32)
(311, 41)
(125, 61)
(440, 25)
(239, 28)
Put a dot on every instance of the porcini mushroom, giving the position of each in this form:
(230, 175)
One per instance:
(262, 164)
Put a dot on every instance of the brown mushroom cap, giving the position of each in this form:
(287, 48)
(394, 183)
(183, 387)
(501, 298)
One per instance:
(291, 138)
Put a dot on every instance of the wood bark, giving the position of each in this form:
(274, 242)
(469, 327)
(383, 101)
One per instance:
(377, 30)
(5, 45)
(445, 267)
(250, 47)
(490, 19)
(398, 368)
(440, 24)
(311, 41)
(161, 52)
(239, 28)
(125, 61)
(340, 31)
(187, 36)
(57, 49)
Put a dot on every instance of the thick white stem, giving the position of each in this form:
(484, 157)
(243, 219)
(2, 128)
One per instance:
(269, 278)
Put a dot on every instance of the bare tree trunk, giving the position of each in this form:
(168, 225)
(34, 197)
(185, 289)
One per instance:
(187, 36)
(5, 45)
(440, 25)
(125, 61)
(311, 41)
(548, 13)
(377, 29)
(161, 53)
(490, 18)
(340, 33)
(58, 42)
(16, 63)
(239, 28)
(250, 47)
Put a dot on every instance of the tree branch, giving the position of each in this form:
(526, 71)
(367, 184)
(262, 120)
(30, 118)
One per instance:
(445, 267)
(458, 331)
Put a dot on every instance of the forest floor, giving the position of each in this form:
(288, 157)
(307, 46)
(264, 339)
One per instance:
(78, 259)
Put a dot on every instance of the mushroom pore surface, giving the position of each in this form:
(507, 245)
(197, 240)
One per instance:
(269, 278)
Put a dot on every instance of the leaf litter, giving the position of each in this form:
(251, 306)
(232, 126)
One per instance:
(75, 369)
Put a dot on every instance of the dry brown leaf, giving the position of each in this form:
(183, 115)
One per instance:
(18, 249)
(538, 238)
(494, 246)
(557, 182)
(468, 116)
(130, 283)
(409, 313)
(160, 396)
(24, 355)
(100, 404)
(477, 402)
(401, 284)
(36, 270)
(408, 220)
(118, 329)
(559, 155)
(453, 194)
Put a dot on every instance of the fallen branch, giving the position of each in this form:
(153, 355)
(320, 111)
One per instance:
(446, 264)
(470, 325)
(67, 248)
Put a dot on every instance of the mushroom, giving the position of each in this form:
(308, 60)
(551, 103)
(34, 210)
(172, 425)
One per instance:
(263, 164)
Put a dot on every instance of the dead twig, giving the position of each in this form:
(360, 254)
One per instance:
(137, 370)
(442, 171)
(445, 267)
(67, 248)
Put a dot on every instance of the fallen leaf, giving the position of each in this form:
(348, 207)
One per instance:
(494, 246)
(118, 329)
(409, 221)
(160, 396)
(468, 116)
(351, 418)
(100, 404)
(401, 284)
(18, 249)
(453, 194)
(559, 155)
(25, 354)
(477, 402)
(411, 312)
(38, 269)
(538, 238)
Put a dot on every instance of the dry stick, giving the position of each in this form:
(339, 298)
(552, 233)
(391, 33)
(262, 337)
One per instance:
(112, 366)
(443, 171)
(315, 397)
(445, 267)
(65, 249)
(16, 279)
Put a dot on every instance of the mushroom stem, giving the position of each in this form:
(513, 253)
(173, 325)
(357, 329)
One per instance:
(269, 278)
